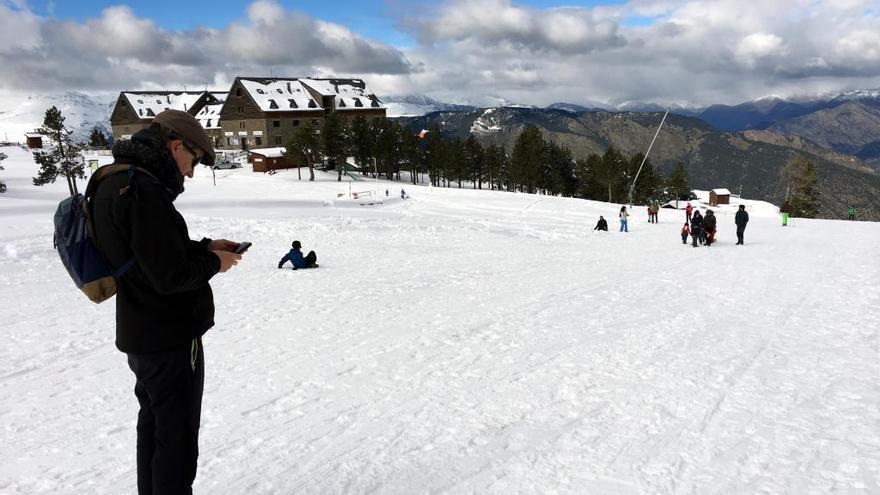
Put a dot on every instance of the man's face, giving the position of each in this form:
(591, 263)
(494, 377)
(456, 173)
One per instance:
(186, 156)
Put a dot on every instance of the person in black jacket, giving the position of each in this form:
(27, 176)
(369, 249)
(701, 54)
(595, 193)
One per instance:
(164, 303)
(742, 218)
(709, 226)
(697, 227)
(602, 224)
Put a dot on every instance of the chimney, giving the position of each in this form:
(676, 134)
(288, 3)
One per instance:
(288, 87)
(168, 99)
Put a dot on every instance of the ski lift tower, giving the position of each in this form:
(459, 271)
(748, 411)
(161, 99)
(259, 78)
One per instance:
(632, 186)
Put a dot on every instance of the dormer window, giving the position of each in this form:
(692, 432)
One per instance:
(141, 102)
(312, 104)
(292, 103)
(357, 102)
(159, 101)
(272, 104)
(150, 113)
(260, 91)
(341, 104)
(279, 91)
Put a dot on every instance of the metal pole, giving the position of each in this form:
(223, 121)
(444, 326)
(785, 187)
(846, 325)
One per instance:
(632, 186)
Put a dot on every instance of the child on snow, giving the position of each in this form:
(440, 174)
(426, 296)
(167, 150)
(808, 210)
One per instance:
(295, 257)
(685, 232)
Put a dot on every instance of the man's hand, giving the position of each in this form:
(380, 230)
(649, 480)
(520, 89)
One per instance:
(223, 245)
(227, 259)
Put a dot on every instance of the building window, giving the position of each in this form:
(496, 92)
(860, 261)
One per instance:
(237, 91)
(278, 140)
(276, 123)
(228, 141)
(240, 109)
(258, 140)
(241, 125)
(295, 124)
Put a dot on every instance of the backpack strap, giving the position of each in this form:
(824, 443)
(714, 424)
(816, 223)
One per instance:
(99, 175)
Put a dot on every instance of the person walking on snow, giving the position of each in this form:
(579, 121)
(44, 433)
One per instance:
(295, 257)
(402, 194)
(709, 225)
(623, 216)
(655, 209)
(852, 212)
(697, 228)
(685, 231)
(742, 218)
(687, 212)
(785, 211)
(602, 224)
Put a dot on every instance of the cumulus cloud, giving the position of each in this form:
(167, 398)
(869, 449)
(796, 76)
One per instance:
(690, 52)
(676, 51)
(119, 50)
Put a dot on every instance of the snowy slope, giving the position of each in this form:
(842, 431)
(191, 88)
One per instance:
(464, 342)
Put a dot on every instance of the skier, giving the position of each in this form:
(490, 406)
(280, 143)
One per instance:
(852, 212)
(295, 257)
(685, 231)
(709, 224)
(697, 228)
(602, 224)
(623, 216)
(742, 218)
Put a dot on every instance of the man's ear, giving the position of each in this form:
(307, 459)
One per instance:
(174, 144)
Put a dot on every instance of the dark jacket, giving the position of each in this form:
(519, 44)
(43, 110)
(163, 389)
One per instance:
(295, 257)
(742, 218)
(164, 300)
(709, 222)
(696, 223)
(601, 225)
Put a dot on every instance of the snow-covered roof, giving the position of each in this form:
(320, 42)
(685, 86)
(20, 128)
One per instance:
(209, 115)
(280, 95)
(350, 94)
(147, 105)
(721, 192)
(270, 152)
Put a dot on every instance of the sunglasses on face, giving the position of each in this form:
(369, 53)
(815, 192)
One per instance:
(196, 157)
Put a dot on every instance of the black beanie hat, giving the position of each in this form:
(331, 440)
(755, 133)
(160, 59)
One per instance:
(296, 245)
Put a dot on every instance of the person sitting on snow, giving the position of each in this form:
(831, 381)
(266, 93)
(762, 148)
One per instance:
(295, 257)
(602, 224)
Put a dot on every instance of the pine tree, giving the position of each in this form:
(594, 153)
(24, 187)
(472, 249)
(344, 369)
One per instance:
(611, 172)
(678, 183)
(492, 157)
(63, 159)
(361, 143)
(334, 140)
(474, 154)
(304, 147)
(97, 139)
(802, 185)
(527, 159)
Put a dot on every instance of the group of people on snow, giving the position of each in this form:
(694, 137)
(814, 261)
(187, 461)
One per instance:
(701, 228)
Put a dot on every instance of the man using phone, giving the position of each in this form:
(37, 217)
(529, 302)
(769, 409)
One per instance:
(164, 302)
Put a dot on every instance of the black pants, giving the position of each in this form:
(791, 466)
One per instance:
(740, 229)
(169, 389)
(311, 259)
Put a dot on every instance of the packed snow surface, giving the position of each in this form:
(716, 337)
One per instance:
(463, 341)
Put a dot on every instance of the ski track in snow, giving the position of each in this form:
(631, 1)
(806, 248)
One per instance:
(464, 342)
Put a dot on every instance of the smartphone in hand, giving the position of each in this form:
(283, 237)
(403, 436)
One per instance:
(242, 247)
